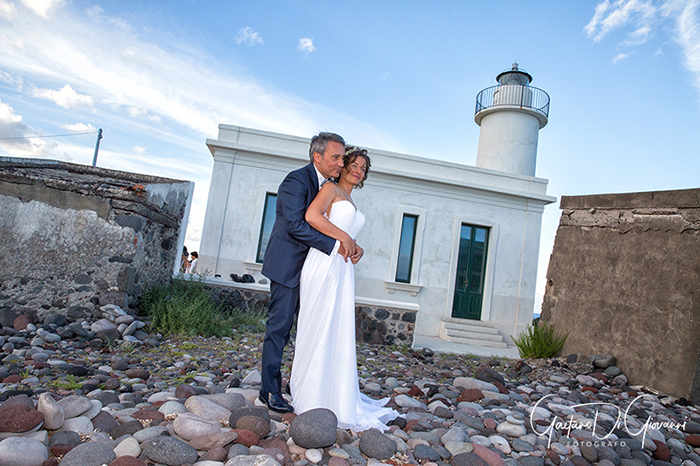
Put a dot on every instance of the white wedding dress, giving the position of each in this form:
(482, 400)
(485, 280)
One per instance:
(324, 371)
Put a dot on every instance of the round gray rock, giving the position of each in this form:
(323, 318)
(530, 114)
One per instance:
(315, 428)
(18, 451)
(468, 459)
(374, 444)
(89, 454)
(531, 461)
(425, 453)
(169, 450)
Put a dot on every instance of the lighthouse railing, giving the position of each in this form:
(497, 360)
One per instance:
(511, 95)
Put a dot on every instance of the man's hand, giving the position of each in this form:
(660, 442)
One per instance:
(359, 252)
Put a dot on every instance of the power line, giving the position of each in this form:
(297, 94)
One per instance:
(51, 136)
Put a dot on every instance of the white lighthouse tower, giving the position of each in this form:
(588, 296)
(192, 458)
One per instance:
(510, 115)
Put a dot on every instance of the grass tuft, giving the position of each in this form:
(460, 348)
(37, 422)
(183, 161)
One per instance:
(540, 341)
(188, 308)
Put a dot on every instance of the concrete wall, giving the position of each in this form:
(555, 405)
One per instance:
(624, 279)
(75, 237)
(249, 163)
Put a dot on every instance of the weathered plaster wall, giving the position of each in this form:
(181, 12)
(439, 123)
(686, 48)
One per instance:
(74, 237)
(624, 278)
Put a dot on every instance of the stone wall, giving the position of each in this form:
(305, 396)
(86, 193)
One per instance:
(75, 237)
(624, 279)
(373, 324)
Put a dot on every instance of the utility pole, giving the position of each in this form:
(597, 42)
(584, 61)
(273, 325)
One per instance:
(97, 147)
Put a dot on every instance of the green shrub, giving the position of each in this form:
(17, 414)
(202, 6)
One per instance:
(250, 321)
(185, 308)
(540, 341)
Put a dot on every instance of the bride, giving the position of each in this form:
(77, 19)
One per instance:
(324, 371)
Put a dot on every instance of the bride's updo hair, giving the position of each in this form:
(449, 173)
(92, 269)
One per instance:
(351, 154)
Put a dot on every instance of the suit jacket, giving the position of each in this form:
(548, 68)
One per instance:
(291, 235)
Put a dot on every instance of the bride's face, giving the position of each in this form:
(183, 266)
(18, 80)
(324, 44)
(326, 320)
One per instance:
(355, 172)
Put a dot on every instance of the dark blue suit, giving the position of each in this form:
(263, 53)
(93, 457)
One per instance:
(286, 251)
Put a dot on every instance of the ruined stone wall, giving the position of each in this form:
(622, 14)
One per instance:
(74, 237)
(624, 279)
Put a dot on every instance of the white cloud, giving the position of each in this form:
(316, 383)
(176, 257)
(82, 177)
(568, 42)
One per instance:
(79, 127)
(138, 149)
(8, 10)
(248, 36)
(620, 56)
(610, 16)
(689, 37)
(173, 84)
(66, 97)
(15, 135)
(386, 76)
(306, 45)
(42, 7)
(136, 112)
(644, 17)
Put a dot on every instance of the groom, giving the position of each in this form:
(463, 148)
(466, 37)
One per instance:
(286, 251)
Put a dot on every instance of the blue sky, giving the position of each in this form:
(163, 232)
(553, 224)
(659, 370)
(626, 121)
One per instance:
(158, 77)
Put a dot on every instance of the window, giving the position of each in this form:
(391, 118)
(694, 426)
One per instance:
(268, 220)
(407, 245)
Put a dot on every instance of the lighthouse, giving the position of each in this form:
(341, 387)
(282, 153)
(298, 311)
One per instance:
(510, 115)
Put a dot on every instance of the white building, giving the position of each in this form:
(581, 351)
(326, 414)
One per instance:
(456, 244)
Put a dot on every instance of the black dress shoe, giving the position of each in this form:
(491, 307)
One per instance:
(275, 402)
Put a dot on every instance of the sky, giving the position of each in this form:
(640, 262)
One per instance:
(401, 75)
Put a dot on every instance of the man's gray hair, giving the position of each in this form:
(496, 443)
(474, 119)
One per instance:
(321, 140)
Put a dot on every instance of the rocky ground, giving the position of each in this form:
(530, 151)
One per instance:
(107, 392)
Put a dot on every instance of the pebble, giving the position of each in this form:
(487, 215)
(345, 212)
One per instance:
(181, 401)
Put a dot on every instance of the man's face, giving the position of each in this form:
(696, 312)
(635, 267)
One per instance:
(330, 163)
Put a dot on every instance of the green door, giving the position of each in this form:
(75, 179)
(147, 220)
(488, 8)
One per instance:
(471, 265)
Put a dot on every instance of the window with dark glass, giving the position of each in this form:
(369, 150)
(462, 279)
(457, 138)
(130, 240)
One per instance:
(268, 220)
(407, 244)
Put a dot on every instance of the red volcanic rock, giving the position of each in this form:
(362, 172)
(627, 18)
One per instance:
(255, 424)
(246, 437)
(693, 440)
(470, 394)
(142, 374)
(501, 388)
(12, 379)
(415, 391)
(22, 321)
(554, 456)
(488, 455)
(662, 453)
(589, 389)
(19, 418)
(184, 391)
(61, 449)
(490, 423)
(275, 442)
(410, 424)
(127, 460)
(155, 417)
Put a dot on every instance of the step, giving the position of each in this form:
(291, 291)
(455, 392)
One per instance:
(469, 341)
(469, 327)
(473, 335)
